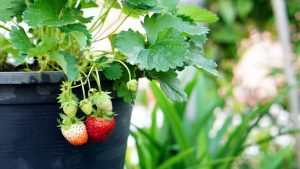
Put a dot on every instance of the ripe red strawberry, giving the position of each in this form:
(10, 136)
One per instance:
(74, 130)
(99, 128)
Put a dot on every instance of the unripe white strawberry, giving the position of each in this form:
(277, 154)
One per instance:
(74, 130)
(103, 101)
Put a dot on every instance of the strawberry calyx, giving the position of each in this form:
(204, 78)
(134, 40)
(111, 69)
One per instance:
(66, 122)
(102, 114)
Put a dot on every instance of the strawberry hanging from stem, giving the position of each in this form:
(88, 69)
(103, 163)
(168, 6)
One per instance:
(74, 130)
(100, 126)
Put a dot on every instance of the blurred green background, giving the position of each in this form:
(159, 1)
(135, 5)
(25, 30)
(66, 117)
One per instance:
(238, 121)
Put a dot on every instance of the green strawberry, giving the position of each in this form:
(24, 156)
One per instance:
(86, 106)
(132, 85)
(70, 108)
(69, 103)
(103, 101)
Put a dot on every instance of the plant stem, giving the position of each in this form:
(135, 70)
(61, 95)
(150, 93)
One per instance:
(104, 17)
(87, 78)
(111, 25)
(98, 81)
(82, 87)
(5, 28)
(92, 28)
(114, 31)
(129, 73)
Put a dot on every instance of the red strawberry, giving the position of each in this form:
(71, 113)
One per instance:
(99, 128)
(74, 130)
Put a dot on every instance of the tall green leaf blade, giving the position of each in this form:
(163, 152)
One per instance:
(173, 160)
(273, 162)
(145, 158)
(149, 137)
(172, 119)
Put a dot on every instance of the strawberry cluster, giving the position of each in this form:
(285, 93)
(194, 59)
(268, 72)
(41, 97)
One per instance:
(99, 121)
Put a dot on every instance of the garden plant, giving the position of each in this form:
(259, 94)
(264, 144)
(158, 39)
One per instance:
(46, 37)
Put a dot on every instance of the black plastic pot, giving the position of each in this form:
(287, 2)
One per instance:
(29, 138)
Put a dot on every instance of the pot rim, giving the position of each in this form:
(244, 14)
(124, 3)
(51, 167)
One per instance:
(33, 77)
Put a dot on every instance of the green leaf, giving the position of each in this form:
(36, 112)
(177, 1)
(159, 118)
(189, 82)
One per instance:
(198, 59)
(170, 85)
(138, 4)
(244, 7)
(44, 47)
(168, 52)
(175, 159)
(18, 7)
(88, 3)
(6, 46)
(79, 32)
(199, 40)
(19, 39)
(113, 72)
(158, 23)
(170, 5)
(10, 8)
(172, 118)
(122, 91)
(130, 43)
(227, 11)
(197, 14)
(50, 13)
(67, 62)
(110, 3)
(274, 161)
(5, 13)
(20, 59)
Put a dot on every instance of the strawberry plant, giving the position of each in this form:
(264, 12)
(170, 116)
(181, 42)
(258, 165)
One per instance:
(55, 35)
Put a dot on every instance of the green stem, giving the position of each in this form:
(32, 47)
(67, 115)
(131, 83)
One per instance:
(129, 74)
(5, 28)
(87, 78)
(82, 87)
(92, 28)
(103, 19)
(112, 24)
(114, 31)
(98, 80)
